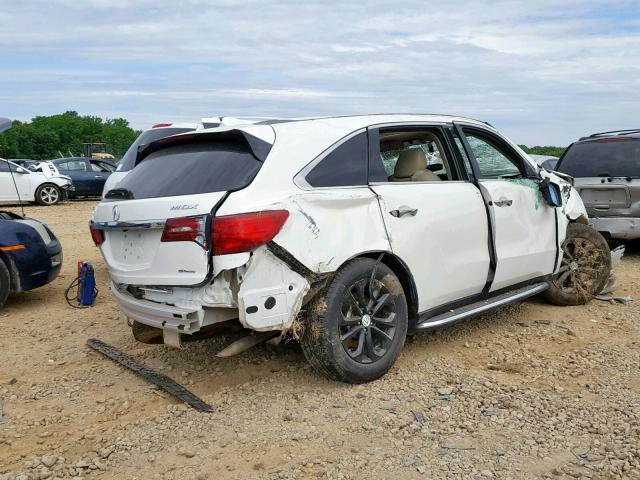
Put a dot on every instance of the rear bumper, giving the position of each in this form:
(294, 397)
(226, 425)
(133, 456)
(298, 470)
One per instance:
(623, 228)
(165, 317)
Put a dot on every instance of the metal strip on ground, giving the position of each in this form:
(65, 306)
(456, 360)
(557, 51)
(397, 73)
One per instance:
(150, 375)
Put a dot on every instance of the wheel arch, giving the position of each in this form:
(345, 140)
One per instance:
(14, 275)
(401, 270)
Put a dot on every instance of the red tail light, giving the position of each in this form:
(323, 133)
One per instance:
(185, 229)
(246, 231)
(159, 125)
(97, 235)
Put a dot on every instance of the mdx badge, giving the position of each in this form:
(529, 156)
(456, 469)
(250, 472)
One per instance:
(185, 207)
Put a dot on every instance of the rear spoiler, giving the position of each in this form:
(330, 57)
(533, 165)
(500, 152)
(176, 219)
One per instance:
(259, 148)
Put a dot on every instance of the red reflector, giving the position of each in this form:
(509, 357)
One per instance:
(246, 231)
(159, 125)
(185, 229)
(176, 138)
(97, 235)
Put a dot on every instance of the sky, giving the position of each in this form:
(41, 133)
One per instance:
(542, 72)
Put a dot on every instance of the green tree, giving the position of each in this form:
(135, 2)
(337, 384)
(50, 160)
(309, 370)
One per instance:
(547, 150)
(47, 137)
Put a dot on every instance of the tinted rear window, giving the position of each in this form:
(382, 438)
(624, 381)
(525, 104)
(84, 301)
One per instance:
(128, 160)
(602, 158)
(192, 168)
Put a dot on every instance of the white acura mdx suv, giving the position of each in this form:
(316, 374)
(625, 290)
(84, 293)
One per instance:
(346, 233)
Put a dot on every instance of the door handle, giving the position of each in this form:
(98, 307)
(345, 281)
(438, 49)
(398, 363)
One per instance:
(503, 202)
(404, 210)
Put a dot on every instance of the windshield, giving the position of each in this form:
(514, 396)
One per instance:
(618, 157)
(128, 160)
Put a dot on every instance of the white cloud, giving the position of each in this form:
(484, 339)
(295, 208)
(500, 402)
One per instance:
(543, 72)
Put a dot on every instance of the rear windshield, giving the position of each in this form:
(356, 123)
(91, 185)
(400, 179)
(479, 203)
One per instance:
(128, 160)
(602, 158)
(192, 168)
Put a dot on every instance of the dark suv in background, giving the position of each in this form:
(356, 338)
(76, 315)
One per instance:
(606, 169)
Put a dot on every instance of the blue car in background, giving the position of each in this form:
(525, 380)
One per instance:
(88, 175)
(30, 254)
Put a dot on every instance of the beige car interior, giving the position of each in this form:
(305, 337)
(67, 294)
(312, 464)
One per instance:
(412, 163)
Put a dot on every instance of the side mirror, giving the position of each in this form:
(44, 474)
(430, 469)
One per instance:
(551, 193)
(21, 170)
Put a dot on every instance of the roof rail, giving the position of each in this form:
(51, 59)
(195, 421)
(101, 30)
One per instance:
(613, 132)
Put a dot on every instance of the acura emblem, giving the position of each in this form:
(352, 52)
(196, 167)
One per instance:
(116, 213)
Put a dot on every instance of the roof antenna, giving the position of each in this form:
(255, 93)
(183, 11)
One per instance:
(5, 124)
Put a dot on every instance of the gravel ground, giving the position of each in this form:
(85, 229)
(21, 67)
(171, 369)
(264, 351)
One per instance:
(528, 391)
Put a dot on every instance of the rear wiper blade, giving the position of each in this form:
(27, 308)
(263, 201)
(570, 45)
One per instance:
(121, 193)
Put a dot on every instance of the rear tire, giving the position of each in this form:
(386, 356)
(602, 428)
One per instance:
(354, 333)
(5, 283)
(585, 267)
(48, 194)
(146, 334)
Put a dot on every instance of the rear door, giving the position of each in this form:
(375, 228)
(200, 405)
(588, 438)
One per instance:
(523, 224)
(177, 186)
(437, 224)
(78, 170)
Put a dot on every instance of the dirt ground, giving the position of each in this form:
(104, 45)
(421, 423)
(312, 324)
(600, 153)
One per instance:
(529, 391)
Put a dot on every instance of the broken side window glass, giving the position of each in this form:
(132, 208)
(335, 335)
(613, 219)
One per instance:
(491, 161)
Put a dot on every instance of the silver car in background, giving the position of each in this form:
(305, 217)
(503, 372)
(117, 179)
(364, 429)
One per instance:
(606, 171)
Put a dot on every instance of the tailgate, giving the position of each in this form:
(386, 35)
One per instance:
(605, 197)
(132, 245)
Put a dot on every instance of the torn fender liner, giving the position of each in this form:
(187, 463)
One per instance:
(162, 381)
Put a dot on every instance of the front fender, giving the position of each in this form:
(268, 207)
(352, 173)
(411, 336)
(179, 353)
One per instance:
(572, 206)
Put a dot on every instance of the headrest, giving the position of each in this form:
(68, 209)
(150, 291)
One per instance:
(409, 162)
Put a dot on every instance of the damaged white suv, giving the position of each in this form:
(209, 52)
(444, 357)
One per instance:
(346, 233)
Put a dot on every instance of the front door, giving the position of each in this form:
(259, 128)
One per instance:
(524, 225)
(100, 172)
(436, 221)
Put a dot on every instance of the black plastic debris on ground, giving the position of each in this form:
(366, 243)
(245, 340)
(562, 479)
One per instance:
(165, 383)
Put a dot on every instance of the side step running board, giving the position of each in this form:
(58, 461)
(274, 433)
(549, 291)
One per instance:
(481, 306)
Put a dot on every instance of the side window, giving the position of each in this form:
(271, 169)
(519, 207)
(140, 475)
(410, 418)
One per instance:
(414, 155)
(101, 167)
(491, 161)
(73, 165)
(4, 166)
(344, 166)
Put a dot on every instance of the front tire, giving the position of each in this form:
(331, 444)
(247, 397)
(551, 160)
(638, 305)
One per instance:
(5, 282)
(357, 326)
(585, 267)
(48, 194)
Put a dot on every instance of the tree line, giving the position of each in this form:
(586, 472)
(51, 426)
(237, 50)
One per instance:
(62, 135)
(538, 150)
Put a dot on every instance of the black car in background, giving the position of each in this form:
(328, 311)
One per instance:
(606, 171)
(87, 174)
